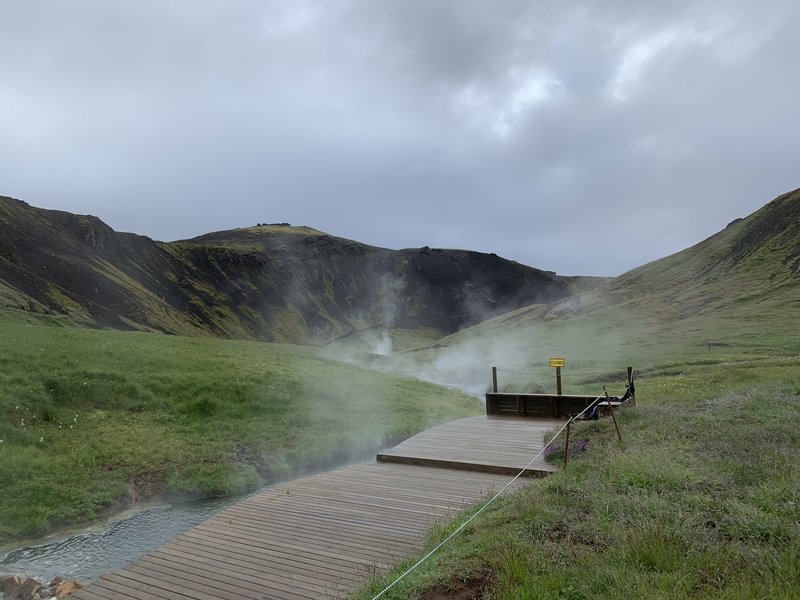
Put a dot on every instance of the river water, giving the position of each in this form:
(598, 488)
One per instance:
(92, 552)
(87, 555)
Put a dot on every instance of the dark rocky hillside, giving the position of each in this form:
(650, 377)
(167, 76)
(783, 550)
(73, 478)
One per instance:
(269, 282)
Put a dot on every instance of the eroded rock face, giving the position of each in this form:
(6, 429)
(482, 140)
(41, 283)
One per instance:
(14, 587)
(9, 585)
(29, 589)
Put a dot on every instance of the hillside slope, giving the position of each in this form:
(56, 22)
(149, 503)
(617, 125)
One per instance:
(269, 282)
(735, 292)
(753, 259)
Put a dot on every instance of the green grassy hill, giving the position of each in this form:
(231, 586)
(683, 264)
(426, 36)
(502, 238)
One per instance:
(736, 294)
(94, 421)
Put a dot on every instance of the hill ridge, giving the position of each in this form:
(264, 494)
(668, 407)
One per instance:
(272, 282)
(735, 289)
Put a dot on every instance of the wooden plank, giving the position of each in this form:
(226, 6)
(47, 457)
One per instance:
(227, 580)
(235, 560)
(270, 555)
(234, 574)
(99, 593)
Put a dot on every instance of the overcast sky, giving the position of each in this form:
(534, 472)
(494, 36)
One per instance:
(581, 137)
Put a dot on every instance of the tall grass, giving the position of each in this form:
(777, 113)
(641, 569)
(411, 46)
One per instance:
(91, 421)
(701, 500)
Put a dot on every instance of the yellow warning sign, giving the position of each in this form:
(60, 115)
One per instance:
(558, 362)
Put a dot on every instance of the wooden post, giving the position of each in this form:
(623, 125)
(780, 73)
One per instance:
(613, 416)
(494, 379)
(566, 444)
(558, 381)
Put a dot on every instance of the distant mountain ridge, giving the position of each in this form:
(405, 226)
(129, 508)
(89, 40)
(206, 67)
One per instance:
(268, 282)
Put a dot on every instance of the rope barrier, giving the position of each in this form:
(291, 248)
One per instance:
(484, 507)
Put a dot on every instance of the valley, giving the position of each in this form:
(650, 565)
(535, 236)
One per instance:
(135, 370)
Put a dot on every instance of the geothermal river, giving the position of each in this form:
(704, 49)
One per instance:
(87, 555)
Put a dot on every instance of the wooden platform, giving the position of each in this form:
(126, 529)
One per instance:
(485, 443)
(320, 536)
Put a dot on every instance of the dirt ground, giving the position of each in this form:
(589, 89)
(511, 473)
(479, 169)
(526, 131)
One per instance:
(472, 588)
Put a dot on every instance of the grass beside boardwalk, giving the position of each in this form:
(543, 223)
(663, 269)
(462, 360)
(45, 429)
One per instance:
(91, 421)
(701, 500)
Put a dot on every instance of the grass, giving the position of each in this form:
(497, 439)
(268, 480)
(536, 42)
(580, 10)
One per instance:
(91, 421)
(701, 500)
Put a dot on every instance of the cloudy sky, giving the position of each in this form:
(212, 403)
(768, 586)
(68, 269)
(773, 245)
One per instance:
(582, 137)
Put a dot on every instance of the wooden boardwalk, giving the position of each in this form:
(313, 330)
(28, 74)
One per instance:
(320, 536)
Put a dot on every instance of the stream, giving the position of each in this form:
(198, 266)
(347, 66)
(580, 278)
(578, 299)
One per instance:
(86, 555)
(89, 553)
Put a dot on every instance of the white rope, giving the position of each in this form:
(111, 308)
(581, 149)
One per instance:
(482, 508)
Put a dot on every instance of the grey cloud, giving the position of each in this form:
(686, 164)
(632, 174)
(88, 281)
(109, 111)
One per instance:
(580, 137)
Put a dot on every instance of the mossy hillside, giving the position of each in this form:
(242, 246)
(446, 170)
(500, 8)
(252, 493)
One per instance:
(274, 283)
(735, 294)
(700, 500)
(270, 237)
(91, 421)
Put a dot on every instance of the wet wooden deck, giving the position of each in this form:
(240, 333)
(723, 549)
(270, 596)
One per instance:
(320, 536)
(486, 444)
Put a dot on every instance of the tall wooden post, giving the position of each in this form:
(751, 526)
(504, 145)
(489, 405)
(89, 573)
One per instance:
(558, 363)
(566, 444)
(494, 379)
(614, 417)
(611, 410)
